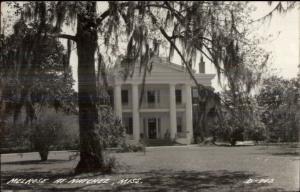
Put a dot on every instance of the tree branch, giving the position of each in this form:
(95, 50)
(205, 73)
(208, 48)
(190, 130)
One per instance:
(107, 13)
(102, 17)
(64, 36)
(176, 48)
(178, 15)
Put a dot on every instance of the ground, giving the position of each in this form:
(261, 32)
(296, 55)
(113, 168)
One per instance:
(176, 168)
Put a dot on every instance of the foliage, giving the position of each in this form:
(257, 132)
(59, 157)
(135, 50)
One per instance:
(195, 26)
(206, 115)
(58, 125)
(131, 148)
(34, 76)
(241, 120)
(110, 131)
(17, 138)
(280, 100)
(44, 134)
(244, 117)
(240, 111)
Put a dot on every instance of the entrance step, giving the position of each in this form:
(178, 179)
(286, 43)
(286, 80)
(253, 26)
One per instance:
(158, 142)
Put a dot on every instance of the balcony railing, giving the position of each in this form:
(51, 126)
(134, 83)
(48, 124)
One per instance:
(146, 105)
(161, 105)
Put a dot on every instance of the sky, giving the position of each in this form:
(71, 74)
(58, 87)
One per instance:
(284, 41)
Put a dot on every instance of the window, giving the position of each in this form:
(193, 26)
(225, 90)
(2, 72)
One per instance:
(178, 96)
(152, 128)
(128, 125)
(124, 95)
(179, 124)
(151, 97)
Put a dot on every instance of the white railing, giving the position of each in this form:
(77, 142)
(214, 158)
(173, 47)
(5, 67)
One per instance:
(146, 105)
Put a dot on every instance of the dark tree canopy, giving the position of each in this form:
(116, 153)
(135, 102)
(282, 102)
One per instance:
(35, 73)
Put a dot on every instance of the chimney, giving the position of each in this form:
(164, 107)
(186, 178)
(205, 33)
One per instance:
(201, 65)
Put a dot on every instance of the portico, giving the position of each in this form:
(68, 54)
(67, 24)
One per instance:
(166, 108)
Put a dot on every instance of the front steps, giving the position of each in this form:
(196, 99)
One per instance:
(158, 142)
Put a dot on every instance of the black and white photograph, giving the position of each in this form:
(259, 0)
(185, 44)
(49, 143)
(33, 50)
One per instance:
(180, 96)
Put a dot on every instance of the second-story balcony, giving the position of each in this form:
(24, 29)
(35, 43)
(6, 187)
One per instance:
(146, 105)
(155, 107)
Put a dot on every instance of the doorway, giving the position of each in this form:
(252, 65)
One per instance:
(152, 133)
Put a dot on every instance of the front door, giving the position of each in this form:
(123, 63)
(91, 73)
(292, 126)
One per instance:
(152, 128)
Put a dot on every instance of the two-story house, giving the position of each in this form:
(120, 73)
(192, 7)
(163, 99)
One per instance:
(166, 108)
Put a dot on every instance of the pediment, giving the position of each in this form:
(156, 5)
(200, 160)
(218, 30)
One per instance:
(162, 72)
(162, 66)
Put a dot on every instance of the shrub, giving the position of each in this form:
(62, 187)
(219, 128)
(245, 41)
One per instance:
(46, 132)
(257, 134)
(21, 137)
(110, 131)
(230, 132)
(132, 148)
(17, 138)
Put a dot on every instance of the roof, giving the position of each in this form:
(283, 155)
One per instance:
(162, 70)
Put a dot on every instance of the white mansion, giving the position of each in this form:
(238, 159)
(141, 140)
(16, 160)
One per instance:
(166, 109)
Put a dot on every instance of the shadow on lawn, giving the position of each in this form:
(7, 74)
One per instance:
(34, 162)
(286, 154)
(285, 151)
(162, 180)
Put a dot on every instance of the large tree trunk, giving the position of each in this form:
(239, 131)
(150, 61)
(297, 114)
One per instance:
(91, 157)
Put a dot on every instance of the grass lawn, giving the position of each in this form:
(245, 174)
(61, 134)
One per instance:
(177, 168)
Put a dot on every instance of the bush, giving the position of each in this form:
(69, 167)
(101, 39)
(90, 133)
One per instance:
(132, 148)
(257, 134)
(46, 132)
(17, 138)
(230, 133)
(110, 131)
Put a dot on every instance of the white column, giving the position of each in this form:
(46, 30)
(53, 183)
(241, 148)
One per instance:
(173, 120)
(189, 112)
(117, 101)
(135, 112)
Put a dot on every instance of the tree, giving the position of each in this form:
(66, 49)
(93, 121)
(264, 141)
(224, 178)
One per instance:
(279, 99)
(246, 65)
(206, 115)
(240, 119)
(270, 96)
(35, 80)
(47, 83)
(196, 28)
